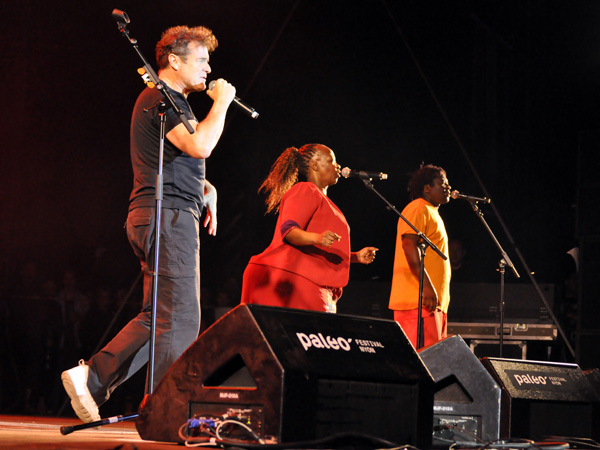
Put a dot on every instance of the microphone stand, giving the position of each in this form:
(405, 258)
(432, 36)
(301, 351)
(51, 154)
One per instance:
(423, 245)
(504, 261)
(151, 79)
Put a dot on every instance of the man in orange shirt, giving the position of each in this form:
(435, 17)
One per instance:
(428, 188)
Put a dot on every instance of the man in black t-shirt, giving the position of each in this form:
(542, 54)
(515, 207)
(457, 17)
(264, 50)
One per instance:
(182, 56)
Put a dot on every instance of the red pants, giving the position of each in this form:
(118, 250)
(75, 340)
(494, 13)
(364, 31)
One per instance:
(264, 285)
(435, 325)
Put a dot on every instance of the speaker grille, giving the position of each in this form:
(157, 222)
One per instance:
(371, 408)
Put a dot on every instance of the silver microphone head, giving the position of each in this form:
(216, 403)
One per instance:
(470, 198)
(211, 85)
(346, 172)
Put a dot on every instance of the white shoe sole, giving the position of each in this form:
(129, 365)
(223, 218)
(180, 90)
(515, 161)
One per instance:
(85, 413)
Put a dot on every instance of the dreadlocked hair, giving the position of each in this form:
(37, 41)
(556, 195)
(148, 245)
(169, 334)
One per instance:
(290, 167)
(425, 174)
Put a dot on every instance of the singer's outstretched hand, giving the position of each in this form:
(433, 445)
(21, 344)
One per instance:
(364, 256)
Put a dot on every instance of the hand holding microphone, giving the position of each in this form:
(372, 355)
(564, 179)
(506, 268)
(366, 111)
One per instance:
(221, 90)
(246, 108)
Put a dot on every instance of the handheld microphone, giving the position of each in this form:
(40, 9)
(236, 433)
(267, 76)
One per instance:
(247, 108)
(456, 195)
(363, 175)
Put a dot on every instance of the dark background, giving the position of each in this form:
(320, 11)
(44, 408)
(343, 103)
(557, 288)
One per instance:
(496, 92)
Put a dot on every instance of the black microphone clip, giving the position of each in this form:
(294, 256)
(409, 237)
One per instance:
(120, 16)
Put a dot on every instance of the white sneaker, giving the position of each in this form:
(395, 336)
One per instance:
(75, 383)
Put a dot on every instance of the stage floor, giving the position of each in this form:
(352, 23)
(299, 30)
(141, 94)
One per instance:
(25, 432)
(43, 433)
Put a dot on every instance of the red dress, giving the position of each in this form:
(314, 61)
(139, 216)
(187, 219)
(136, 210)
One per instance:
(304, 277)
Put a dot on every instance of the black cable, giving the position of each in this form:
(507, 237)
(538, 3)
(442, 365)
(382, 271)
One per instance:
(514, 443)
(585, 442)
(345, 438)
(457, 433)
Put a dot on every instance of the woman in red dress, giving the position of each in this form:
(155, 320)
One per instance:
(308, 262)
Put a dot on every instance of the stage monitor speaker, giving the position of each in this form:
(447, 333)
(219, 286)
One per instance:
(593, 376)
(299, 375)
(541, 399)
(467, 399)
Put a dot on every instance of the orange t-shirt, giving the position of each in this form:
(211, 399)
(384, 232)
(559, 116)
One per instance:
(405, 286)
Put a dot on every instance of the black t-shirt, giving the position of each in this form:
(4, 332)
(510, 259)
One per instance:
(183, 176)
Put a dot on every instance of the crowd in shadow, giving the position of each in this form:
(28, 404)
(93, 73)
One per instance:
(48, 324)
(53, 316)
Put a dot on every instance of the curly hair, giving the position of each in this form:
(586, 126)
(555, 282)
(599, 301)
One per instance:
(176, 40)
(287, 170)
(424, 175)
